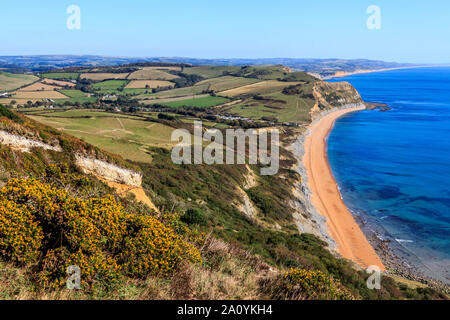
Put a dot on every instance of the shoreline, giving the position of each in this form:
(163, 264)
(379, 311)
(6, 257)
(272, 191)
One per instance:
(351, 243)
(343, 74)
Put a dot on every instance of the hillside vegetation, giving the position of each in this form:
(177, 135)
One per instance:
(53, 216)
(216, 231)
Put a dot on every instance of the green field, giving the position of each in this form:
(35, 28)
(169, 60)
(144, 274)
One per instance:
(210, 71)
(76, 100)
(294, 108)
(73, 93)
(202, 102)
(61, 76)
(110, 84)
(126, 137)
(11, 81)
(132, 91)
(226, 83)
(94, 113)
(179, 92)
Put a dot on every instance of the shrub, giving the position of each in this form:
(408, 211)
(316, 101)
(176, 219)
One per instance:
(46, 228)
(304, 284)
(194, 216)
(20, 236)
(5, 112)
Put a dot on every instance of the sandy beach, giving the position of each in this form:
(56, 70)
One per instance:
(342, 227)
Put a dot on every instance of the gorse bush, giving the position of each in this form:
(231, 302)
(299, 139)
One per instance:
(45, 228)
(194, 216)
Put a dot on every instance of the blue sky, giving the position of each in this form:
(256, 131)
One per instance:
(411, 30)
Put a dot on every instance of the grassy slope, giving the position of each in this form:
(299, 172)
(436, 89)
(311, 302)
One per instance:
(110, 84)
(73, 93)
(115, 133)
(61, 76)
(202, 102)
(10, 81)
(210, 71)
(294, 109)
(226, 83)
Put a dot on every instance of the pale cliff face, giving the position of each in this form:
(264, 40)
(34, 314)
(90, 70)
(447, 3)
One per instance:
(109, 171)
(24, 144)
(334, 95)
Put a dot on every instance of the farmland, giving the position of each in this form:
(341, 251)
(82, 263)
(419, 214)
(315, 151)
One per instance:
(73, 93)
(226, 83)
(202, 102)
(118, 134)
(262, 87)
(149, 83)
(151, 74)
(58, 83)
(252, 92)
(10, 81)
(110, 85)
(178, 92)
(38, 95)
(277, 105)
(61, 75)
(39, 86)
(211, 71)
(103, 76)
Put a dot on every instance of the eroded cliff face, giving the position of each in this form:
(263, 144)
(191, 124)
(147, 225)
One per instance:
(334, 95)
(108, 171)
(305, 216)
(24, 144)
(123, 180)
(329, 97)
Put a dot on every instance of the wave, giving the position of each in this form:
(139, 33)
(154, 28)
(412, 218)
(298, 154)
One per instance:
(404, 240)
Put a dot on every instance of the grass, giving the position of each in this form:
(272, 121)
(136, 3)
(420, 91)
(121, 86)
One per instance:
(142, 84)
(103, 76)
(294, 108)
(110, 85)
(210, 71)
(226, 83)
(38, 95)
(232, 267)
(124, 91)
(11, 81)
(263, 87)
(151, 74)
(77, 100)
(179, 92)
(203, 102)
(128, 138)
(61, 75)
(73, 93)
(84, 113)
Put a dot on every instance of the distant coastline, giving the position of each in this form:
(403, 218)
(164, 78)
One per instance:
(341, 74)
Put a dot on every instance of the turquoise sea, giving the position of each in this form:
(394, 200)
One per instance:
(393, 167)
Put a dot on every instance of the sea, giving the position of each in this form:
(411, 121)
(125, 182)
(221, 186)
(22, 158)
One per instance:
(393, 167)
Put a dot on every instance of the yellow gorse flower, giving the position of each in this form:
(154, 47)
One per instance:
(44, 226)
